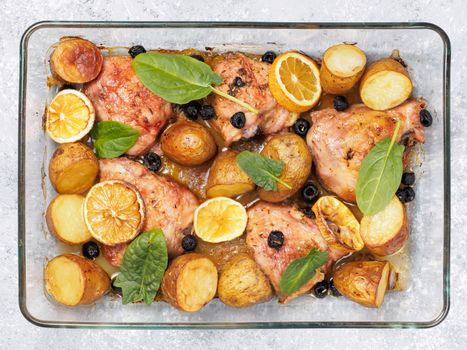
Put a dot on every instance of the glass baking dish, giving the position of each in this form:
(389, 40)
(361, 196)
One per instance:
(426, 50)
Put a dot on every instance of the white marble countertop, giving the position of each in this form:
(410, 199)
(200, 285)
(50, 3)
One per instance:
(17, 15)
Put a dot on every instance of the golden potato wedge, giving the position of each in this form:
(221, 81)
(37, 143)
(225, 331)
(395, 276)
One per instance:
(387, 231)
(242, 283)
(190, 282)
(226, 179)
(72, 280)
(294, 152)
(73, 168)
(341, 68)
(188, 143)
(364, 282)
(385, 84)
(76, 60)
(65, 219)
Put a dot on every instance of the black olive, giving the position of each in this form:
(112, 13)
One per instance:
(189, 243)
(238, 82)
(301, 126)
(321, 289)
(90, 250)
(152, 161)
(206, 112)
(238, 120)
(408, 179)
(115, 289)
(340, 103)
(308, 212)
(191, 110)
(333, 289)
(269, 57)
(406, 194)
(136, 50)
(425, 118)
(276, 239)
(310, 193)
(198, 57)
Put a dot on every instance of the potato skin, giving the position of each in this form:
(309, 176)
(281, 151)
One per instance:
(333, 83)
(188, 143)
(55, 230)
(359, 281)
(397, 240)
(242, 283)
(293, 151)
(68, 161)
(96, 280)
(76, 60)
(226, 173)
(171, 280)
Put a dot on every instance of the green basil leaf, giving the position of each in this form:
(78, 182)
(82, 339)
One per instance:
(175, 78)
(380, 175)
(262, 170)
(112, 139)
(143, 267)
(301, 270)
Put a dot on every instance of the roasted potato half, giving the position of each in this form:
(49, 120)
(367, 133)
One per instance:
(190, 282)
(65, 219)
(76, 60)
(364, 282)
(72, 280)
(341, 68)
(242, 283)
(385, 84)
(73, 168)
(188, 143)
(293, 151)
(387, 231)
(226, 179)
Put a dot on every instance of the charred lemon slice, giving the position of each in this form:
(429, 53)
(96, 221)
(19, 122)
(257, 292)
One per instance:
(337, 224)
(220, 219)
(294, 81)
(70, 116)
(114, 212)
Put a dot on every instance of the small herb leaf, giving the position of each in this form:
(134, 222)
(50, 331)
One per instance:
(380, 175)
(262, 170)
(301, 270)
(175, 78)
(143, 267)
(112, 139)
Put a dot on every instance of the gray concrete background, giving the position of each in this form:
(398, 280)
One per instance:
(17, 15)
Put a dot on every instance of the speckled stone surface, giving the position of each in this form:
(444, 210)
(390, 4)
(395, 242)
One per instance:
(17, 333)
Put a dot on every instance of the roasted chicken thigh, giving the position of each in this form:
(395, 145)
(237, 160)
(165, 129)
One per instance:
(117, 94)
(340, 140)
(247, 80)
(169, 206)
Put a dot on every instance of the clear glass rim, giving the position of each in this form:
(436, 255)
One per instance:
(254, 25)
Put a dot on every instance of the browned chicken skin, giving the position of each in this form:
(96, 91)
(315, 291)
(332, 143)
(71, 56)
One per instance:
(117, 94)
(255, 91)
(169, 206)
(300, 235)
(340, 140)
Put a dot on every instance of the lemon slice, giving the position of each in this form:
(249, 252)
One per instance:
(114, 212)
(70, 116)
(220, 219)
(294, 82)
